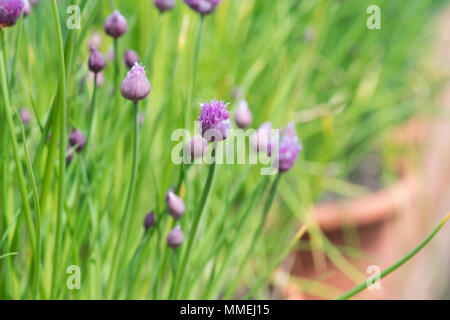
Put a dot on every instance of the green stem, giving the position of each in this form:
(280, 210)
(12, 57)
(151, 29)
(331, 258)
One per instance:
(15, 149)
(396, 265)
(92, 113)
(195, 224)
(257, 234)
(130, 195)
(62, 150)
(116, 66)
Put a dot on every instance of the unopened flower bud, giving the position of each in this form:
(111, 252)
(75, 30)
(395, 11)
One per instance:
(25, 115)
(164, 5)
(116, 25)
(175, 205)
(175, 237)
(77, 140)
(96, 61)
(243, 116)
(136, 86)
(130, 58)
(149, 220)
(203, 7)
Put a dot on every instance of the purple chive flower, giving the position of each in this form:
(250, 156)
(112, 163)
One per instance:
(203, 7)
(196, 148)
(175, 237)
(243, 116)
(164, 5)
(10, 11)
(26, 8)
(214, 121)
(130, 58)
(136, 86)
(263, 140)
(96, 61)
(116, 25)
(25, 115)
(149, 220)
(77, 140)
(289, 149)
(175, 205)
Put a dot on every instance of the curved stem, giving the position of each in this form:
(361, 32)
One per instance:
(396, 265)
(92, 113)
(195, 224)
(125, 217)
(62, 149)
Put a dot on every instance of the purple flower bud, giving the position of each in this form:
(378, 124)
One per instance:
(263, 140)
(289, 149)
(203, 6)
(243, 115)
(149, 220)
(116, 25)
(136, 86)
(10, 11)
(175, 237)
(95, 40)
(196, 148)
(96, 61)
(214, 121)
(164, 5)
(26, 8)
(175, 205)
(130, 58)
(77, 140)
(25, 115)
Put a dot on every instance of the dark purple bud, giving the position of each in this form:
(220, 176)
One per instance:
(243, 116)
(26, 8)
(96, 61)
(130, 58)
(289, 149)
(136, 86)
(10, 11)
(175, 205)
(25, 115)
(214, 121)
(77, 140)
(164, 5)
(175, 237)
(203, 7)
(196, 148)
(149, 220)
(116, 25)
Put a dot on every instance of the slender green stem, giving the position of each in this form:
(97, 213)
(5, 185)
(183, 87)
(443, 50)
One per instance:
(256, 236)
(195, 224)
(116, 66)
(91, 115)
(125, 217)
(62, 150)
(396, 265)
(15, 149)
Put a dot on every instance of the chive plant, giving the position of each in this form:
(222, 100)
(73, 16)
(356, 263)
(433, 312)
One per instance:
(87, 184)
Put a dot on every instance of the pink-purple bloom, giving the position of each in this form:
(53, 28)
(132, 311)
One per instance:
(77, 140)
(130, 58)
(214, 121)
(136, 86)
(243, 116)
(203, 7)
(289, 149)
(116, 25)
(10, 11)
(175, 237)
(175, 205)
(25, 115)
(26, 8)
(164, 5)
(96, 61)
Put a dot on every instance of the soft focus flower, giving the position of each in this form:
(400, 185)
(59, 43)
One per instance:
(263, 140)
(289, 149)
(196, 148)
(136, 86)
(243, 116)
(175, 205)
(175, 237)
(203, 6)
(164, 5)
(95, 40)
(77, 140)
(96, 60)
(26, 8)
(149, 220)
(214, 121)
(130, 58)
(116, 25)
(25, 115)
(10, 11)
(33, 2)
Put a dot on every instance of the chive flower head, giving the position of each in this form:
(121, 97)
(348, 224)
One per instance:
(130, 58)
(77, 140)
(116, 25)
(136, 86)
(214, 121)
(175, 205)
(243, 116)
(175, 237)
(203, 7)
(289, 149)
(10, 11)
(25, 116)
(164, 5)
(149, 220)
(96, 60)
